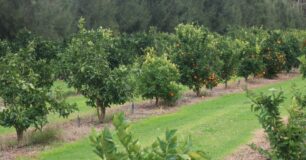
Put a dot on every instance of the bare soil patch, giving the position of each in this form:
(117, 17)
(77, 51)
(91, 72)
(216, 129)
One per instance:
(245, 152)
(81, 127)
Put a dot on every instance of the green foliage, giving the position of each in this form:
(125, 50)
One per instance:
(22, 39)
(123, 51)
(194, 56)
(4, 48)
(158, 79)
(160, 41)
(304, 47)
(56, 19)
(45, 50)
(291, 48)
(303, 65)
(51, 19)
(86, 68)
(169, 148)
(273, 56)
(287, 140)
(229, 51)
(25, 90)
(250, 61)
(303, 60)
(299, 95)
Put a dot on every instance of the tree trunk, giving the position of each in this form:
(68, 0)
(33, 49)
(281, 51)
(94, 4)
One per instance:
(79, 121)
(246, 79)
(238, 83)
(225, 83)
(198, 92)
(19, 135)
(100, 111)
(133, 107)
(156, 101)
(103, 111)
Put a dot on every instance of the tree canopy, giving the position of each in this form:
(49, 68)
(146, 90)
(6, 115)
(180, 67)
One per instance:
(57, 19)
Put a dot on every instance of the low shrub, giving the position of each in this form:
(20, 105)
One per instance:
(129, 148)
(287, 140)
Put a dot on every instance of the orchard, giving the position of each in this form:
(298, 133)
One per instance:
(109, 69)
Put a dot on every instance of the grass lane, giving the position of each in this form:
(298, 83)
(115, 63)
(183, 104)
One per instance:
(218, 126)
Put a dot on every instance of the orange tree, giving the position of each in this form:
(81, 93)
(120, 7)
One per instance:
(250, 60)
(158, 79)
(228, 50)
(273, 56)
(25, 88)
(291, 48)
(287, 140)
(87, 68)
(195, 61)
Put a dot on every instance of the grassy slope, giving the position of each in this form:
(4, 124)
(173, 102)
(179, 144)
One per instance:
(217, 126)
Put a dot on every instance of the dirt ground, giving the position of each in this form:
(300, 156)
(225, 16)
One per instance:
(79, 128)
(245, 152)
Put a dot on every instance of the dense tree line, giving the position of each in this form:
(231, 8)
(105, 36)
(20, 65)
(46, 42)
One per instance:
(57, 19)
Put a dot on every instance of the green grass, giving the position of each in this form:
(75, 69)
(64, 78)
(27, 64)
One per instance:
(63, 87)
(218, 126)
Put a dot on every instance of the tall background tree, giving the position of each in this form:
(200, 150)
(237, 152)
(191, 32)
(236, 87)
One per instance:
(57, 19)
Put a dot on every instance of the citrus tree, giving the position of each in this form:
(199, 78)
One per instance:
(291, 48)
(287, 140)
(158, 79)
(273, 56)
(195, 61)
(250, 61)
(228, 50)
(87, 68)
(25, 83)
